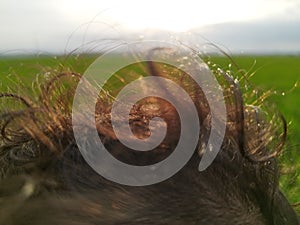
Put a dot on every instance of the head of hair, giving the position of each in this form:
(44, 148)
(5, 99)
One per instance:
(44, 178)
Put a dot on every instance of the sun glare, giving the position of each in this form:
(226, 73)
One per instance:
(171, 15)
(178, 17)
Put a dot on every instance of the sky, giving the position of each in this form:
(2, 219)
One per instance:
(62, 26)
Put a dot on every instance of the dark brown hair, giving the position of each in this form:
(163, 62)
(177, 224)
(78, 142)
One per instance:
(45, 180)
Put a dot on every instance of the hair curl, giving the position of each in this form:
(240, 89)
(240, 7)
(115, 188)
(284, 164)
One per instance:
(44, 177)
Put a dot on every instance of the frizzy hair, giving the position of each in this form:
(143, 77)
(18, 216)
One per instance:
(37, 141)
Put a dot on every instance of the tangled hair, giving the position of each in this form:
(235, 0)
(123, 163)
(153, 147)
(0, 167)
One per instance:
(45, 180)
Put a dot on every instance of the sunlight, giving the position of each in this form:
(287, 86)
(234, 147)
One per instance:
(170, 15)
(178, 17)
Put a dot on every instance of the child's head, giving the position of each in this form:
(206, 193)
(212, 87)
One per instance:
(45, 179)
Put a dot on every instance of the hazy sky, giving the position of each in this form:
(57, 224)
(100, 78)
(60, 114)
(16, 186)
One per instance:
(28, 26)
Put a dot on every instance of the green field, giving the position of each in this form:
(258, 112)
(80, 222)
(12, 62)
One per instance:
(276, 73)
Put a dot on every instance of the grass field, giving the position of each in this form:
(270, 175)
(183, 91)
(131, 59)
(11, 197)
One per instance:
(277, 73)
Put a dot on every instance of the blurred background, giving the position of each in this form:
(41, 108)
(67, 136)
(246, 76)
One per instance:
(244, 27)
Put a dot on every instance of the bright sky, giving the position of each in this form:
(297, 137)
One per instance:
(47, 24)
(173, 15)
